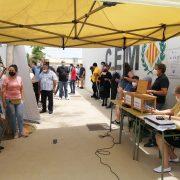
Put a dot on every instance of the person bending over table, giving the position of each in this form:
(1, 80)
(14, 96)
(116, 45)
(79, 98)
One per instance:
(130, 87)
(170, 142)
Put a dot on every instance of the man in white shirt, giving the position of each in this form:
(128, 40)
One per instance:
(47, 83)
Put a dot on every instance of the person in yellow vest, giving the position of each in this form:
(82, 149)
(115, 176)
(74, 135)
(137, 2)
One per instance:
(94, 79)
(173, 141)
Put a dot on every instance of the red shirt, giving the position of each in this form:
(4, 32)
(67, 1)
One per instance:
(73, 73)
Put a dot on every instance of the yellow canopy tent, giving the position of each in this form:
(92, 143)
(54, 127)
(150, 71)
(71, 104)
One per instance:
(87, 23)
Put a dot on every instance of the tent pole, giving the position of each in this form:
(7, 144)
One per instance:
(124, 55)
(147, 35)
(63, 46)
(75, 19)
(164, 32)
(86, 18)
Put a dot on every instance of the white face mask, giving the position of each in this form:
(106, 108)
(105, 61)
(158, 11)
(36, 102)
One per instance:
(45, 70)
(1, 69)
(38, 64)
(177, 99)
(154, 72)
(134, 84)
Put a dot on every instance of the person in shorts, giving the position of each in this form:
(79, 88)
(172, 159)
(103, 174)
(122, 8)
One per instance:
(173, 141)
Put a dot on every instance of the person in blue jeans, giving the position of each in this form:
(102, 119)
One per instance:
(63, 74)
(12, 90)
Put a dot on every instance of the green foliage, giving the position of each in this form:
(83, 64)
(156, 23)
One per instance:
(28, 58)
(145, 66)
(162, 52)
(37, 53)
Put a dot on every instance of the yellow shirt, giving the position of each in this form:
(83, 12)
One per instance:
(176, 109)
(95, 75)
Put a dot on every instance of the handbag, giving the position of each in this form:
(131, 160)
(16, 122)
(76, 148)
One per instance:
(15, 101)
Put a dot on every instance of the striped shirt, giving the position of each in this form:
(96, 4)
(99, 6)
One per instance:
(46, 80)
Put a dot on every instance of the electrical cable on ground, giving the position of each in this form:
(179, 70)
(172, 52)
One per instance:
(105, 152)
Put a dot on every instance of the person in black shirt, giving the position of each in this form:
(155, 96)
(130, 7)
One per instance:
(105, 85)
(159, 89)
(82, 72)
(63, 73)
(160, 86)
(114, 86)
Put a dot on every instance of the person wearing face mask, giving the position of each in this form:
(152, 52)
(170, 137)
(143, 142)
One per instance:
(94, 79)
(12, 89)
(158, 89)
(105, 85)
(170, 142)
(1, 67)
(2, 76)
(36, 71)
(73, 75)
(114, 85)
(63, 74)
(130, 87)
(103, 65)
(47, 83)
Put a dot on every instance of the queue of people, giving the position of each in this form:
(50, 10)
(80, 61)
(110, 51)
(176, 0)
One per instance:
(48, 81)
(113, 86)
(105, 85)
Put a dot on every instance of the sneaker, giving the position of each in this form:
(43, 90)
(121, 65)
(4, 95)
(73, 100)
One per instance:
(1, 147)
(159, 169)
(16, 136)
(24, 135)
(67, 98)
(116, 122)
(50, 112)
(150, 144)
(81, 88)
(42, 111)
(176, 160)
(109, 106)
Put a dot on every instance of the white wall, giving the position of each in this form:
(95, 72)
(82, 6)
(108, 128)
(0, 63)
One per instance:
(3, 53)
(97, 55)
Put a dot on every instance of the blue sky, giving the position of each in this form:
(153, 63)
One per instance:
(56, 53)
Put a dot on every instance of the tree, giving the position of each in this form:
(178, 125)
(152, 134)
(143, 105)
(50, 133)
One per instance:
(37, 53)
(28, 58)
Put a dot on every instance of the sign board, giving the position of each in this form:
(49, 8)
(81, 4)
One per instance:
(128, 99)
(137, 103)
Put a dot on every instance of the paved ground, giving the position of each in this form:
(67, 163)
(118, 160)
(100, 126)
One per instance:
(73, 158)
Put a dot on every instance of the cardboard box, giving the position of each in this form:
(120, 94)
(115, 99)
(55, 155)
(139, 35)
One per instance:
(129, 98)
(141, 102)
(139, 99)
(141, 89)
